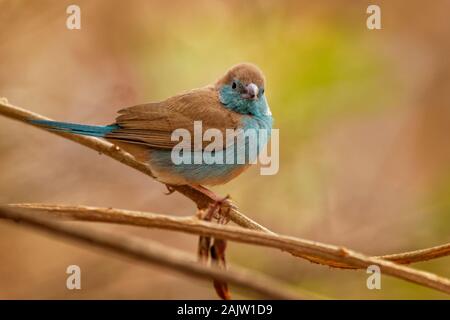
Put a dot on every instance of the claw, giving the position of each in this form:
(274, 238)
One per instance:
(170, 190)
(219, 210)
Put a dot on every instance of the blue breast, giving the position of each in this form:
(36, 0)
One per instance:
(242, 154)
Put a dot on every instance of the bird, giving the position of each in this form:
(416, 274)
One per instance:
(236, 101)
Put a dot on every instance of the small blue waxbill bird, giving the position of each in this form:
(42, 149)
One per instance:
(235, 101)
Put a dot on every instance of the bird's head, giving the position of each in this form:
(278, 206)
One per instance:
(241, 89)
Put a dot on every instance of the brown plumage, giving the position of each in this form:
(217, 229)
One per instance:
(152, 124)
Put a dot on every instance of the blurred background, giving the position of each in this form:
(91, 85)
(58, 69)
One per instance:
(364, 119)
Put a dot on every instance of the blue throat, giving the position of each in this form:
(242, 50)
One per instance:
(232, 100)
(258, 112)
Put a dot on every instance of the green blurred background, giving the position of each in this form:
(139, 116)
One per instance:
(364, 119)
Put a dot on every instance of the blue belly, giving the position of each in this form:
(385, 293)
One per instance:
(239, 155)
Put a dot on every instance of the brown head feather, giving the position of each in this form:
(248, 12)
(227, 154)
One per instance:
(244, 72)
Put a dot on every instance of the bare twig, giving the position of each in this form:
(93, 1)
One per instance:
(152, 252)
(315, 251)
(189, 225)
(419, 255)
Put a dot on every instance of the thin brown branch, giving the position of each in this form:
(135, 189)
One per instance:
(314, 251)
(154, 253)
(419, 255)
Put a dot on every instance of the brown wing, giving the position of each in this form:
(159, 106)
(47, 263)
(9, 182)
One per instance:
(152, 124)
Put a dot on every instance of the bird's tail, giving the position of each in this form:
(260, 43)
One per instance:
(85, 130)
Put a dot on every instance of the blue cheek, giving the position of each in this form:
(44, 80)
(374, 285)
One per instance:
(233, 101)
(230, 98)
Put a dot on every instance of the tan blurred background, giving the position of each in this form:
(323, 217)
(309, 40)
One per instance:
(364, 119)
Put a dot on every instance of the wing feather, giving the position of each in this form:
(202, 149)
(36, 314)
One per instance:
(152, 124)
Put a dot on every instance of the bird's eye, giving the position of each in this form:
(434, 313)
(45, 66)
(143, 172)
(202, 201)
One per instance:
(234, 85)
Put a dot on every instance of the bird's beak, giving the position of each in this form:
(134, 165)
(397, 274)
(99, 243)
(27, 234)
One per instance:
(250, 92)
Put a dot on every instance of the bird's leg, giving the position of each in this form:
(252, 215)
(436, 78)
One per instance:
(170, 189)
(210, 194)
(217, 207)
(220, 205)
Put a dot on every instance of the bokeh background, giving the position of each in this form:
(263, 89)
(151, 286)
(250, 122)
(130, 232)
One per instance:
(364, 119)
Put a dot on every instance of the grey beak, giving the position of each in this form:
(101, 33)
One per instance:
(251, 92)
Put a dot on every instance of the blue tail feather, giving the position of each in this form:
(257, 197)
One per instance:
(85, 130)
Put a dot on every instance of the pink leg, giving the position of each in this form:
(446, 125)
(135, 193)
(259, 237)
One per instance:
(209, 193)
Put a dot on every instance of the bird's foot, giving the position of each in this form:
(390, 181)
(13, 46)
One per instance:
(219, 207)
(170, 189)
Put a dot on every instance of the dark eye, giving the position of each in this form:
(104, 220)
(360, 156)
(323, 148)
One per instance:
(262, 91)
(234, 85)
